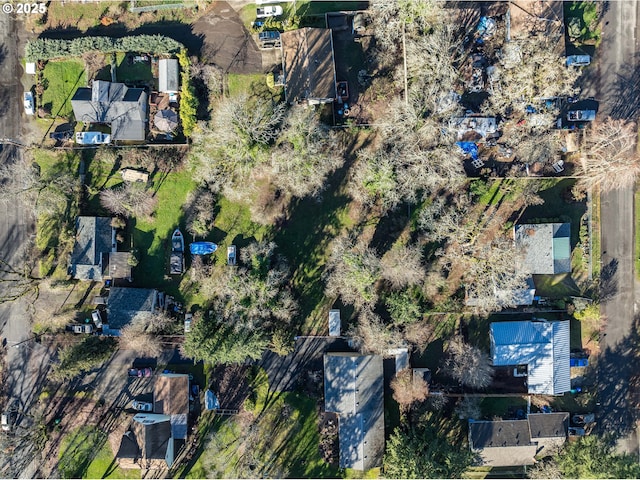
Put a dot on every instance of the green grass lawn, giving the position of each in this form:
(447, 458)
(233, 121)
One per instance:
(132, 72)
(555, 286)
(62, 78)
(104, 466)
(499, 406)
(85, 453)
(243, 83)
(153, 238)
(284, 442)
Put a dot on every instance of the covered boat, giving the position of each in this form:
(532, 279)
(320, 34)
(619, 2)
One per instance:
(203, 248)
(176, 264)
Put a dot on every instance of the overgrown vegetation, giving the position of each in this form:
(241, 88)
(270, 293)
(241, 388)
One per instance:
(83, 356)
(51, 49)
(188, 99)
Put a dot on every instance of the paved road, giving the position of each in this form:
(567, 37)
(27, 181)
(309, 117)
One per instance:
(615, 85)
(27, 361)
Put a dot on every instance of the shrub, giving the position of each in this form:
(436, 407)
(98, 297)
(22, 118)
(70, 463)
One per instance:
(49, 48)
(188, 100)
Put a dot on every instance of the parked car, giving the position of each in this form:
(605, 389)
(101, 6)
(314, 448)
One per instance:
(188, 318)
(231, 255)
(583, 419)
(581, 115)
(9, 416)
(81, 328)
(141, 372)
(92, 138)
(268, 11)
(142, 406)
(97, 318)
(29, 104)
(269, 39)
(578, 60)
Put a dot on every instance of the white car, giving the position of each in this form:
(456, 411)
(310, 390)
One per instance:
(29, 105)
(268, 11)
(92, 138)
(187, 322)
(142, 406)
(578, 60)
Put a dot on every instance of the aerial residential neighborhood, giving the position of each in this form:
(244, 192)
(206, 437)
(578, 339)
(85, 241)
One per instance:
(319, 239)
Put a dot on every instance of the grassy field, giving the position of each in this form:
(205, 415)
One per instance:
(104, 466)
(242, 83)
(85, 453)
(281, 440)
(153, 238)
(61, 79)
(133, 72)
(50, 227)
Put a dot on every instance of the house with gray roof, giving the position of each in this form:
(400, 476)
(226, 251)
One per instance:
(309, 66)
(95, 239)
(546, 248)
(124, 109)
(147, 444)
(168, 75)
(540, 345)
(125, 304)
(171, 397)
(512, 443)
(354, 390)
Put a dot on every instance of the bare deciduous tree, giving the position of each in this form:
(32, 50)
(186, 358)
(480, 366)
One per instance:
(352, 272)
(371, 335)
(609, 160)
(402, 266)
(408, 388)
(141, 335)
(306, 152)
(199, 209)
(129, 200)
(468, 364)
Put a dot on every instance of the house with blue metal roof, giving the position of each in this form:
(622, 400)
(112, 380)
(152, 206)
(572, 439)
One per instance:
(545, 247)
(540, 345)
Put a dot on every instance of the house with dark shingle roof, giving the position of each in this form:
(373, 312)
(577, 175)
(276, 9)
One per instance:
(542, 346)
(354, 390)
(308, 65)
(95, 239)
(510, 443)
(171, 397)
(147, 443)
(125, 304)
(124, 109)
(546, 248)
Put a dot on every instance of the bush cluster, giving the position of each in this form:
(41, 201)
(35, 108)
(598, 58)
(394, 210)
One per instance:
(188, 99)
(48, 48)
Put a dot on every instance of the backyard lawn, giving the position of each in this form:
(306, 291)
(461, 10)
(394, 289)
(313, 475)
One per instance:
(61, 79)
(85, 453)
(281, 441)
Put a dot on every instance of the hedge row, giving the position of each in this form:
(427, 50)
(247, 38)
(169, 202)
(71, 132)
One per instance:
(48, 48)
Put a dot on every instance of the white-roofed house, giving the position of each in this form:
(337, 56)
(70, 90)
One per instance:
(541, 345)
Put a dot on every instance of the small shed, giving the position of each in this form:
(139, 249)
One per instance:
(168, 75)
(334, 323)
(133, 175)
(30, 68)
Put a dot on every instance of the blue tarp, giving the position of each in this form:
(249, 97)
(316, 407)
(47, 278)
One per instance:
(202, 248)
(470, 148)
(211, 401)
